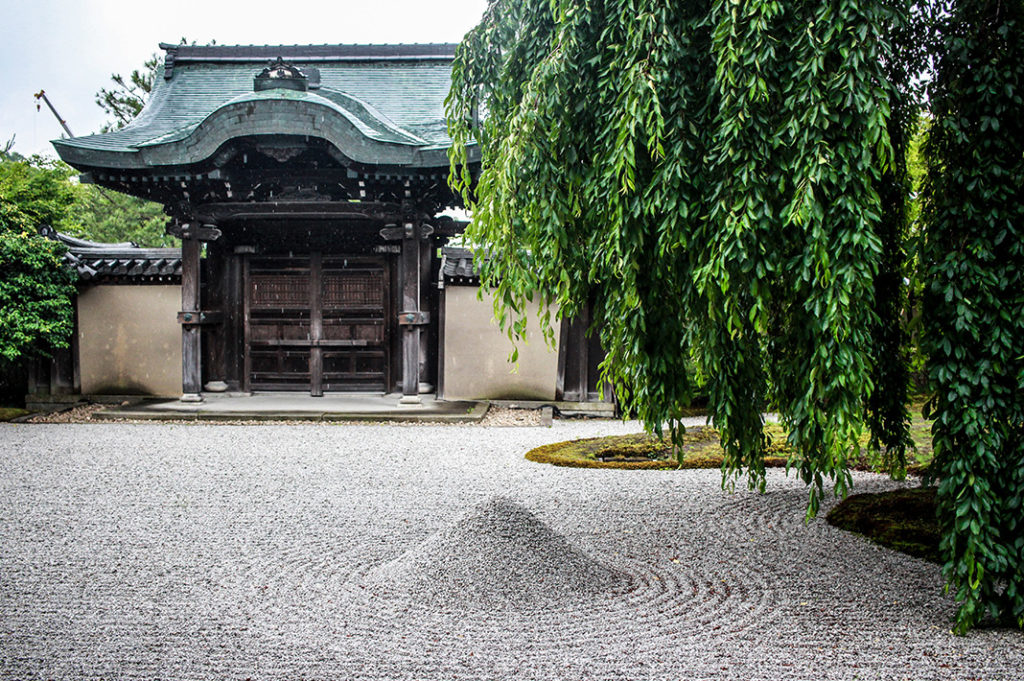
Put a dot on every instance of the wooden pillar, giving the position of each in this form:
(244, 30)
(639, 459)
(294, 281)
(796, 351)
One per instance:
(76, 359)
(234, 350)
(428, 303)
(410, 317)
(191, 377)
(316, 354)
(246, 327)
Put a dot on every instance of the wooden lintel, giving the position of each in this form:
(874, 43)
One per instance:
(306, 210)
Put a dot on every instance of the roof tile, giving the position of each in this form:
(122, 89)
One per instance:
(391, 93)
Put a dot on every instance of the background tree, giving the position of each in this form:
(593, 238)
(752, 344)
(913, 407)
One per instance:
(35, 191)
(35, 284)
(972, 262)
(109, 216)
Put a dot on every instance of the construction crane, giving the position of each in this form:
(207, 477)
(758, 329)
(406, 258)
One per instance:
(64, 124)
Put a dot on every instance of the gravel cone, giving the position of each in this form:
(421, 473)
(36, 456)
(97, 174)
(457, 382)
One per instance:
(498, 555)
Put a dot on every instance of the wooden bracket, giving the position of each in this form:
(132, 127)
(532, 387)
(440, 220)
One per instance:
(187, 230)
(413, 318)
(406, 231)
(196, 318)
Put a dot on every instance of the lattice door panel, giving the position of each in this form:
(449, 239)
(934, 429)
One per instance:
(356, 290)
(279, 290)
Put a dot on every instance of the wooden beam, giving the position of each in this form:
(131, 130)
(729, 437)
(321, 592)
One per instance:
(188, 317)
(394, 233)
(373, 211)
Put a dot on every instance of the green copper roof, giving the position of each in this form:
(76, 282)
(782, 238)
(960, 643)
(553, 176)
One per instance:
(379, 104)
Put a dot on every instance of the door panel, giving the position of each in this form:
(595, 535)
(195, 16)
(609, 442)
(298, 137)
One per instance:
(279, 323)
(354, 330)
(331, 337)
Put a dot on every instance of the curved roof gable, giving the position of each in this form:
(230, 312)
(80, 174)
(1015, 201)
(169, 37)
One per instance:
(379, 104)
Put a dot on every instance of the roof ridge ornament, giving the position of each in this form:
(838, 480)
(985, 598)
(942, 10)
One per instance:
(281, 74)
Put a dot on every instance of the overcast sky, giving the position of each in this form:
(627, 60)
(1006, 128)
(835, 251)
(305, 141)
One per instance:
(69, 48)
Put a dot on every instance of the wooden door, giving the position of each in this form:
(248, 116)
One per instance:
(317, 323)
(354, 336)
(579, 358)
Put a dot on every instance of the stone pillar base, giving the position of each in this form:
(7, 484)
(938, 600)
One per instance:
(191, 397)
(410, 400)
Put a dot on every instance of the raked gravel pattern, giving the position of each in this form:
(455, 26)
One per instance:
(388, 552)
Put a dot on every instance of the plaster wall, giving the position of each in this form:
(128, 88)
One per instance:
(476, 353)
(129, 340)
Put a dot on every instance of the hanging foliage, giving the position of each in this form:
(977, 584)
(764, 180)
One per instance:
(707, 175)
(973, 266)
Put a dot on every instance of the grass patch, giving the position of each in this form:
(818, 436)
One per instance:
(903, 520)
(8, 413)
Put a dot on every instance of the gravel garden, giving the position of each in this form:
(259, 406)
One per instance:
(380, 552)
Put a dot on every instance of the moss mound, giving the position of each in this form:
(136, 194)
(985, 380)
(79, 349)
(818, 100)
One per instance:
(8, 413)
(903, 520)
(701, 450)
(644, 451)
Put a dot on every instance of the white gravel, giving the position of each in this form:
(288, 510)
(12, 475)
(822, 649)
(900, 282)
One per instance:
(387, 552)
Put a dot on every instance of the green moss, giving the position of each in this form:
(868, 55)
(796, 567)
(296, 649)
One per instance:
(620, 451)
(903, 520)
(8, 413)
(701, 450)
(640, 451)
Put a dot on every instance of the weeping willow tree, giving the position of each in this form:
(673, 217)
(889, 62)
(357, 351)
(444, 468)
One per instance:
(724, 182)
(973, 262)
(706, 175)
